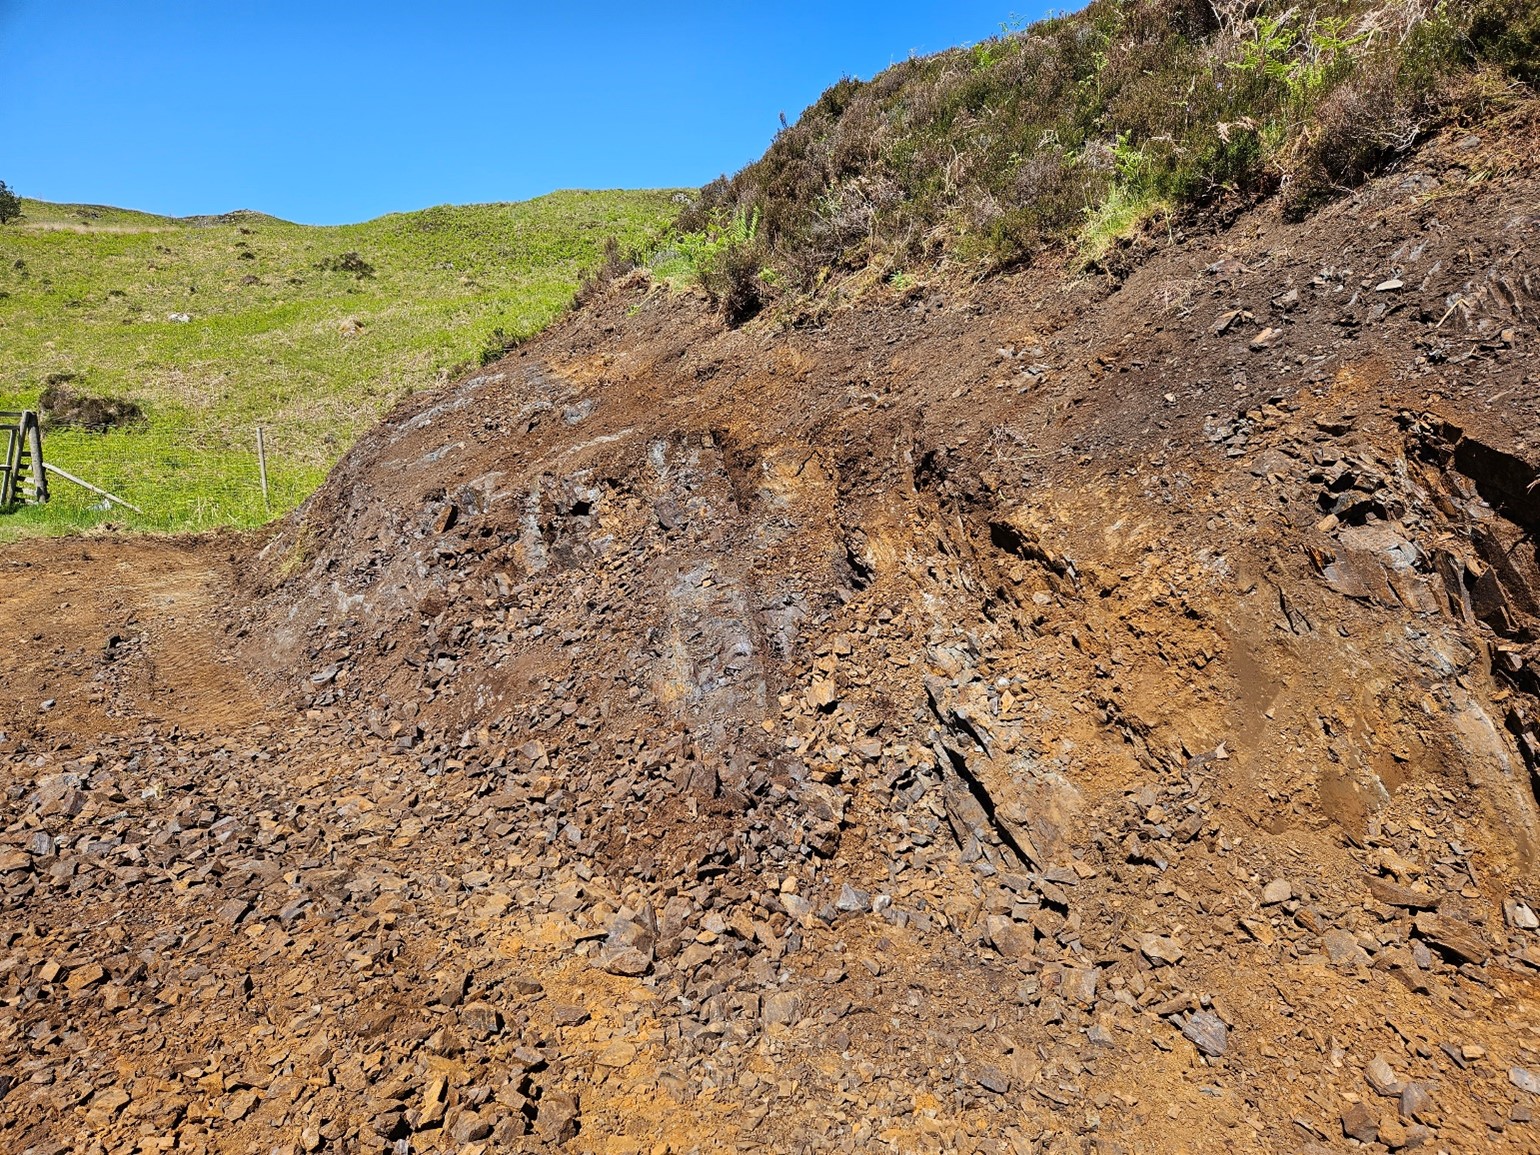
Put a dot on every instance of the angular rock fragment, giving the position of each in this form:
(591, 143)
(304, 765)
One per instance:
(1393, 894)
(1161, 951)
(556, 1116)
(1382, 1077)
(1207, 1031)
(1459, 939)
(1358, 1122)
(1520, 916)
(783, 1008)
(852, 901)
(992, 1079)
(628, 948)
(1342, 948)
(480, 1020)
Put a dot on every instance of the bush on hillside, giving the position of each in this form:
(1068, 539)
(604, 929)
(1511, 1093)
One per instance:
(10, 204)
(733, 280)
(615, 264)
(62, 406)
(1507, 32)
(349, 262)
(723, 252)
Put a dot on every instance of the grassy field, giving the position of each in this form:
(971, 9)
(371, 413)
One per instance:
(281, 331)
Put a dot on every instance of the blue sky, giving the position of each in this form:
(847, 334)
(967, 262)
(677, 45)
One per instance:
(328, 112)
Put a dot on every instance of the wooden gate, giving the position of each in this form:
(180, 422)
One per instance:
(21, 459)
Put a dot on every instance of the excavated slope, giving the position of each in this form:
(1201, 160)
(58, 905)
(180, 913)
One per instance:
(1041, 715)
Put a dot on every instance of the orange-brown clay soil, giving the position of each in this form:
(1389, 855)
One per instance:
(1046, 715)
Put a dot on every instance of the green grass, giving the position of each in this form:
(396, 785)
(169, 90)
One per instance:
(312, 356)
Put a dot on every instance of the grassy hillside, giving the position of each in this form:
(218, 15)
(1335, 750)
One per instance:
(309, 332)
(1081, 130)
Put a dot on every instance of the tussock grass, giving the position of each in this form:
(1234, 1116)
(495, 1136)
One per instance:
(308, 331)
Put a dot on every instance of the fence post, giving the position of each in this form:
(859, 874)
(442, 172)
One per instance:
(35, 446)
(262, 467)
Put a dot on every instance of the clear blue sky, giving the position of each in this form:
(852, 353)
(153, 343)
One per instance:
(326, 112)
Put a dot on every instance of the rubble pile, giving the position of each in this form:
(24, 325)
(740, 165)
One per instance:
(1038, 716)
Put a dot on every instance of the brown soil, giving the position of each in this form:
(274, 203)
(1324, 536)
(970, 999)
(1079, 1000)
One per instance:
(1046, 715)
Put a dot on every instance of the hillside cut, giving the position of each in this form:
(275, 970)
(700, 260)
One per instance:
(1051, 714)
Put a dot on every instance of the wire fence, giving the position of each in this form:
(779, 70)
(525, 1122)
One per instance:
(179, 479)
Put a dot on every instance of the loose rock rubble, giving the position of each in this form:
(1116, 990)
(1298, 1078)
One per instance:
(1020, 717)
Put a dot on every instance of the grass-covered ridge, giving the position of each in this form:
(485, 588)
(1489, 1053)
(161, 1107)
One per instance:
(308, 331)
(1081, 128)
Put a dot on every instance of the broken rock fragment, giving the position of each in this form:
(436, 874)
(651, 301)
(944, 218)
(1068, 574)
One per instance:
(1207, 1031)
(1459, 939)
(556, 1118)
(1380, 1075)
(628, 948)
(1160, 950)
(1358, 1122)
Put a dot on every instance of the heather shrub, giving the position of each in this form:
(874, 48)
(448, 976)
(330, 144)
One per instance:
(733, 280)
(1507, 33)
(615, 264)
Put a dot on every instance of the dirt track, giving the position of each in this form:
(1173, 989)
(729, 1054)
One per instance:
(1039, 716)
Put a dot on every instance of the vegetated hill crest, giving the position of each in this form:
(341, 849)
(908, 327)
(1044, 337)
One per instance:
(40, 213)
(1086, 128)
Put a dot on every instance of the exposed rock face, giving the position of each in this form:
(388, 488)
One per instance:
(1006, 718)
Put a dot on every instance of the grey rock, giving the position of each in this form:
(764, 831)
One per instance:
(993, 1079)
(1358, 1122)
(470, 1127)
(1520, 916)
(1079, 985)
(782, 1008)
(1524, 1080)
(1380, 1075)
(798, 907)
(1342, 948)
(1276, 891)
(1207, 1032)
(628, 948)
(480, 1020)
(556, 1116)
(853, 901)
(1416, 1100)
(233, 910)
